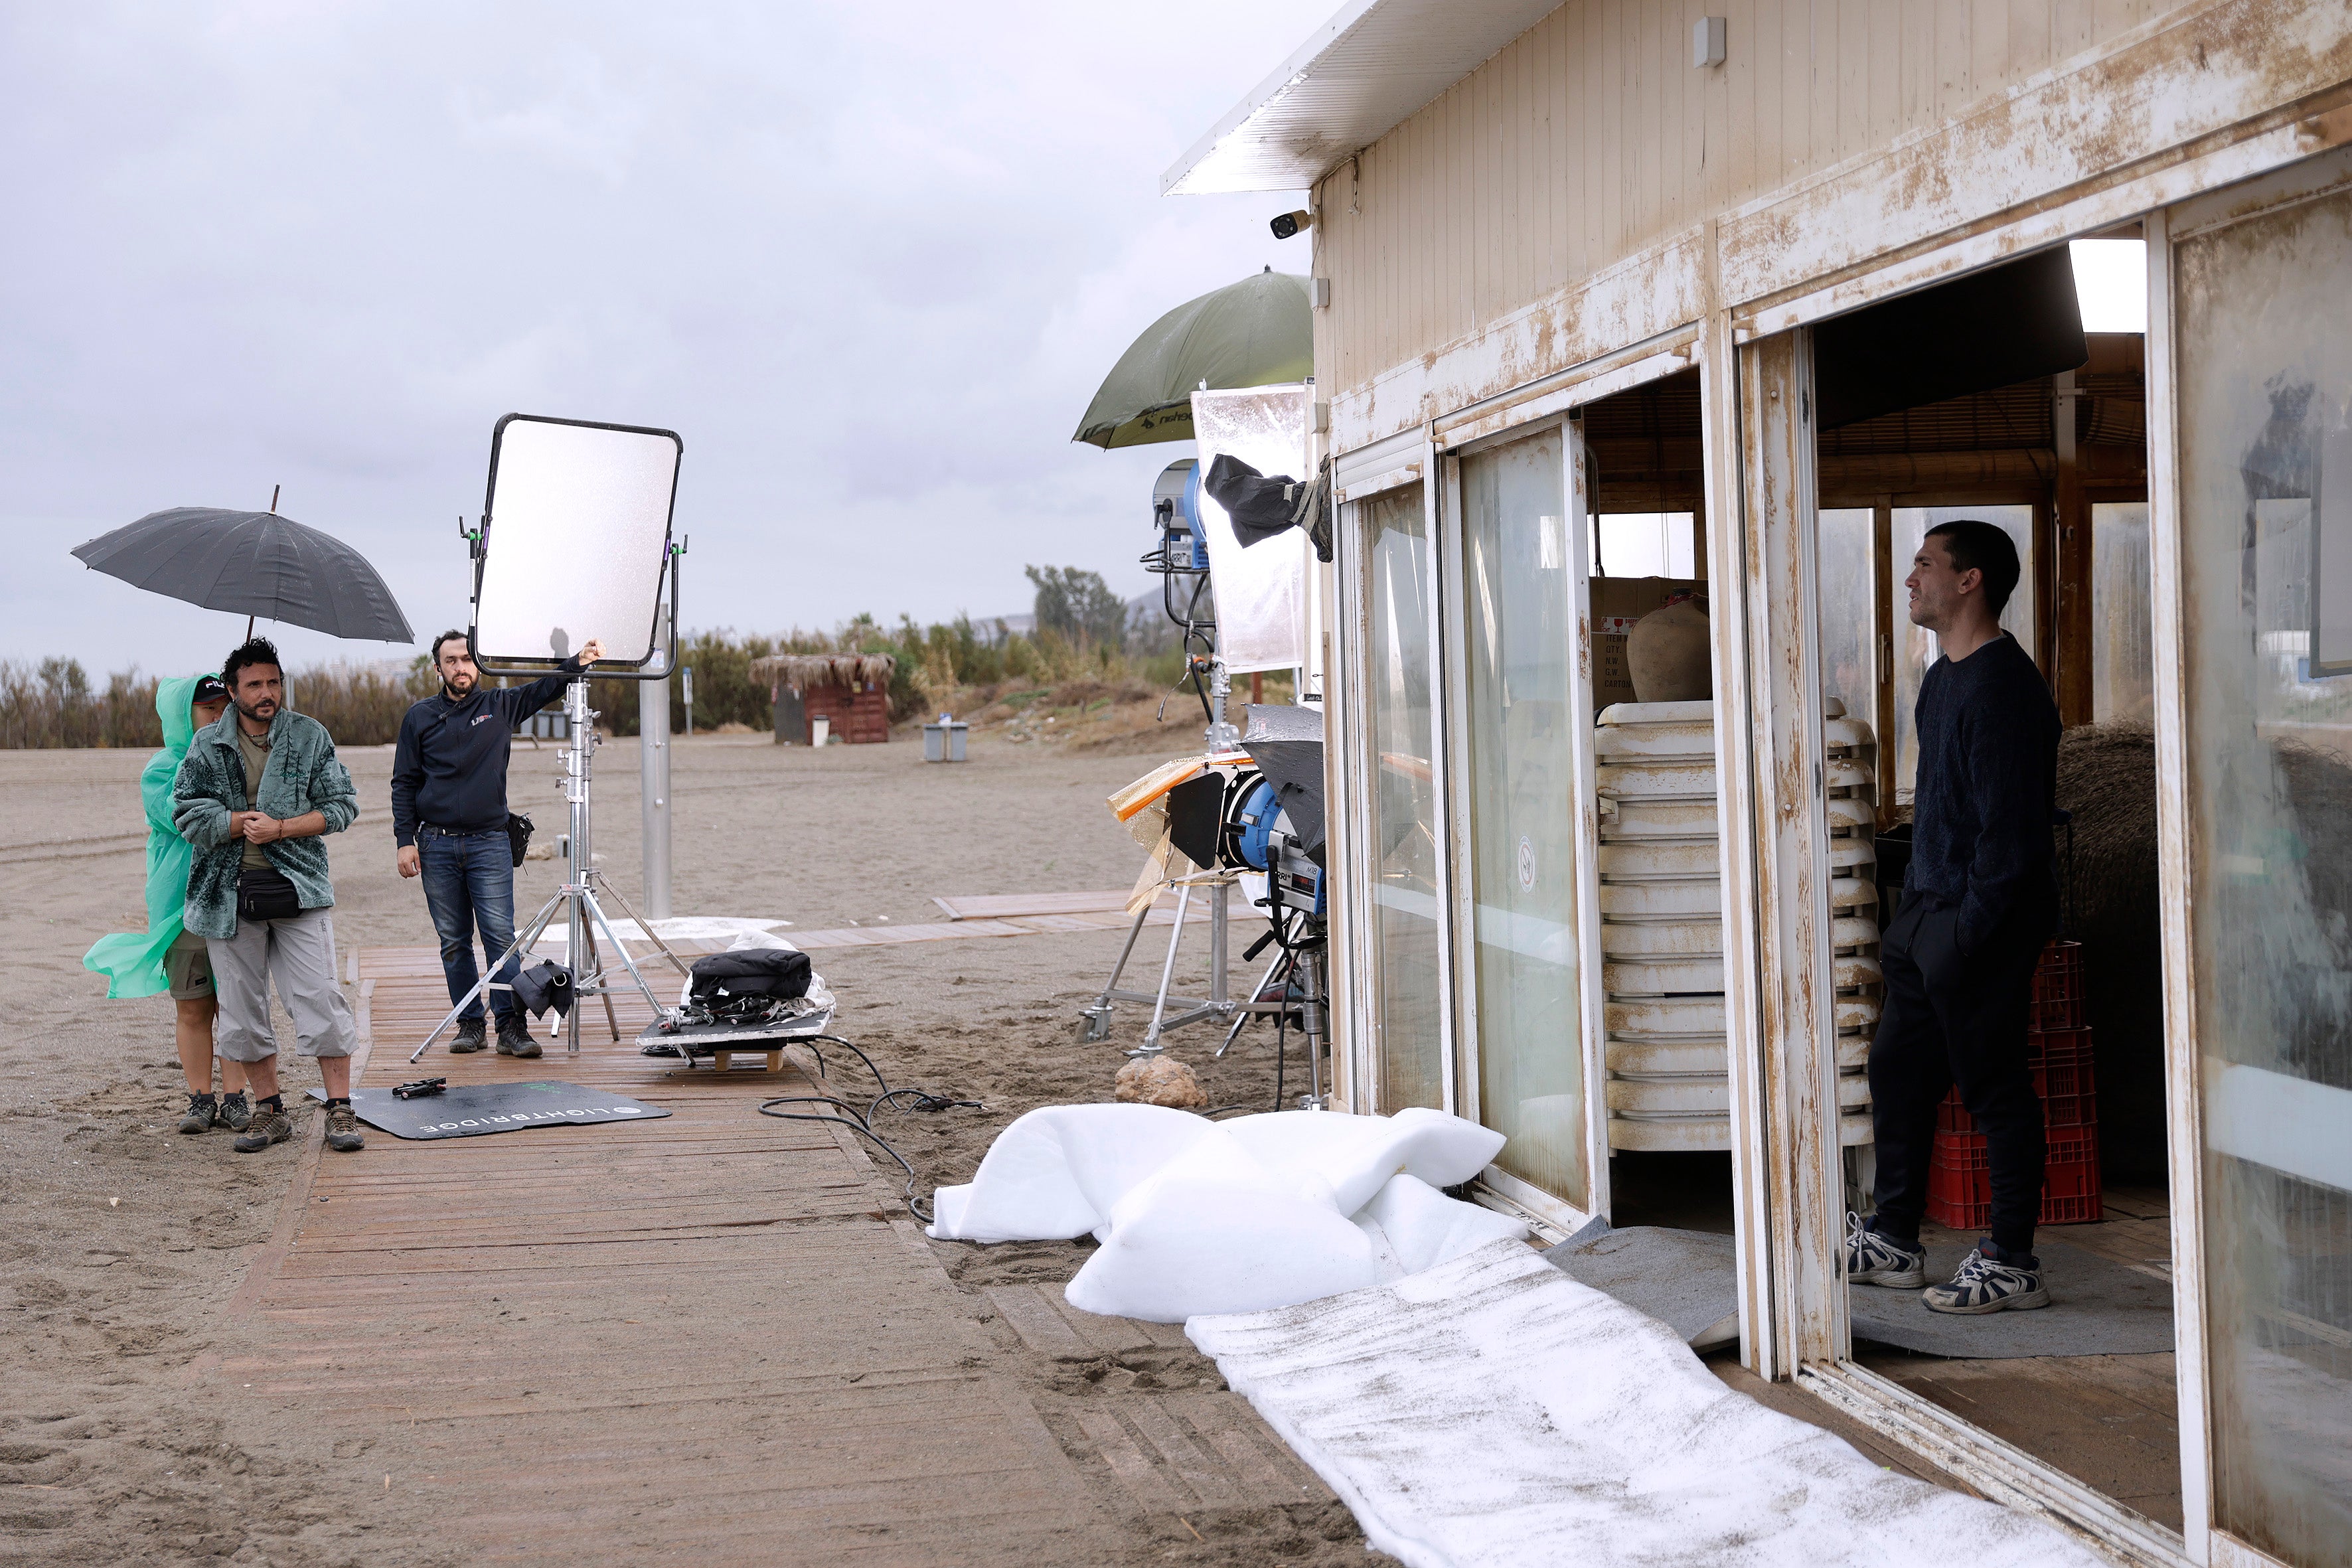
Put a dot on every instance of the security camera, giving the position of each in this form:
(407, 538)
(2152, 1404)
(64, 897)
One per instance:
(1289, 224)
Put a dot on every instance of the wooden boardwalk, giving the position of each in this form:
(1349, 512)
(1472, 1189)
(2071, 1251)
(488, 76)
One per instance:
(713, 1335)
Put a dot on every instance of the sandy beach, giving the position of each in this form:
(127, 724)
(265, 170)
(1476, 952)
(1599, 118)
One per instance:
(124, 1241)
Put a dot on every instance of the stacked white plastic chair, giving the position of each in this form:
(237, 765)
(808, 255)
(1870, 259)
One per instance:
(1662, 924)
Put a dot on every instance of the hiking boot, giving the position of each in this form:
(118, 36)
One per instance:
(469, 1037)
(343, 1130)
(515, 1038)
(271, 1124)
(1989, 1281)
(202, 1114)
(1874, 1259)
(235, 1112)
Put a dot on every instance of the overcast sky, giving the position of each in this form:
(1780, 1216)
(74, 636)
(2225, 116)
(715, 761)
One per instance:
(870, 261)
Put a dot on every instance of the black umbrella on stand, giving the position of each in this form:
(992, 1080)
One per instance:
(256, 564)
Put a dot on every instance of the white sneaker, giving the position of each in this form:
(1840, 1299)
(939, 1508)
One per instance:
(1874, 1259)
(1986, 1284)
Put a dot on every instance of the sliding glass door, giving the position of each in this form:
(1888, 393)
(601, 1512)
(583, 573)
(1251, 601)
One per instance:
(1408, 951)
(1519, 657)
(2264, 368)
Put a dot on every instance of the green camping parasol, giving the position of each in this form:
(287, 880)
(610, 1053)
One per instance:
(1259, 331)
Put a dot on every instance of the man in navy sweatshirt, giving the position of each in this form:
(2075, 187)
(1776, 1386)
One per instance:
(449, 821)
(1979, 904)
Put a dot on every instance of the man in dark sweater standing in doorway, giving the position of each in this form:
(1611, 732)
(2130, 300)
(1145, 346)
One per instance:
(449, 822)
(1979, 905)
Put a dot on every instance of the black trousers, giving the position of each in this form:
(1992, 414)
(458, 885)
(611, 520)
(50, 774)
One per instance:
(1960, 1018)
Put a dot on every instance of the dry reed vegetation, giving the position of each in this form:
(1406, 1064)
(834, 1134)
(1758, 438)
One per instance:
(53, 704)
(957, 667)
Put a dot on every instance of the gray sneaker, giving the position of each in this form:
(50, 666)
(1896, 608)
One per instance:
(515, 1038)
(1874, 1259)
(344, 1134)
(1987, 1283)
(470, 1037)
(271, 1124)
(202, 1114)
(235, 1112)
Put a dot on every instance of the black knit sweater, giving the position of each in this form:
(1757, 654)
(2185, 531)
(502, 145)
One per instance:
(1987, 783)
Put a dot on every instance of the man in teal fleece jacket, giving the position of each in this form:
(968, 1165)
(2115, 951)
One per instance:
(259, 789)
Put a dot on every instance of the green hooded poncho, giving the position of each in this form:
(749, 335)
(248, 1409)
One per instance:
(132, 961)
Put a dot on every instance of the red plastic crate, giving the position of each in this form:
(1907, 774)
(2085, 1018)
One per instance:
(2063, 1076)
(2070, 1097)
(1959, 1180)
(2058, 987)
(2046, 1046)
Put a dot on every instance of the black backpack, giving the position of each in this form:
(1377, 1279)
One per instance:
(770, 974)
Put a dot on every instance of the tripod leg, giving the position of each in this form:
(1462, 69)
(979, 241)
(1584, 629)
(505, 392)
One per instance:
(1220, 913)
(1245, 1014)
(520, 943)
(1310, 1015)
(622, 948)
(1150, 1045)
(647, 926)
(1094, 1022)
(611, 1022)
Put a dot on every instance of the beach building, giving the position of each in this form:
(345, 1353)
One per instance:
(1617, 299)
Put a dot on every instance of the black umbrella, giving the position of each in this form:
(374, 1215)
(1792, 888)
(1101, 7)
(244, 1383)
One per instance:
(253, 563)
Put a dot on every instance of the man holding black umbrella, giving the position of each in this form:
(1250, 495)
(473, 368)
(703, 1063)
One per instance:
(449, 822)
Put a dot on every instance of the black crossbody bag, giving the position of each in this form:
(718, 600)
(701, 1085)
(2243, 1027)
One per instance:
(266, 894)
(518, 832)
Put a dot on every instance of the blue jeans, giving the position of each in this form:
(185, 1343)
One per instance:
(468, 886)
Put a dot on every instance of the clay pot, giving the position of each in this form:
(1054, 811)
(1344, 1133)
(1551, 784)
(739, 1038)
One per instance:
(1667, 657)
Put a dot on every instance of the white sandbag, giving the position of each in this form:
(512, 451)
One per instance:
(1201, 1216)
(1414, 1226)
(1057, 1171)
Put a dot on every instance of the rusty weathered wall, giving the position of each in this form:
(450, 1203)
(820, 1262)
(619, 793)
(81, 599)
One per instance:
(1549, 206)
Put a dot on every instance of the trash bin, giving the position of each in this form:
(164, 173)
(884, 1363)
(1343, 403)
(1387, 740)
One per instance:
(820, 730)
(943, 741)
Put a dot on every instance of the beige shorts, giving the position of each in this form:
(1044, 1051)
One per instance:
(188, 965)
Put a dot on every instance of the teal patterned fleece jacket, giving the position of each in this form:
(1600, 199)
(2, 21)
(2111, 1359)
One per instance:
(303, 775)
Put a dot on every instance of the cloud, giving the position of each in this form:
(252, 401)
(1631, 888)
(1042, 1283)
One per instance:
(870, 261)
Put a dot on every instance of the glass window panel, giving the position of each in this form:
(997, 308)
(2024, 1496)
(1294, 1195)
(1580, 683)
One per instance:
(2123, 667)
(1915, 646)
(1644, 544)
(1848, 671)
(2265, 476)
(1404, 812)
(1519, 632)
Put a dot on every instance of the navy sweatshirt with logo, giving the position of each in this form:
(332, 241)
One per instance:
(1988, 780)
(450, 767)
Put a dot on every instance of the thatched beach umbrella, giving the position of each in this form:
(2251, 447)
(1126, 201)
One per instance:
(800, 671)
(1259, 331)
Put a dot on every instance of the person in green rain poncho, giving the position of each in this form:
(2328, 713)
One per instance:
(165, 957)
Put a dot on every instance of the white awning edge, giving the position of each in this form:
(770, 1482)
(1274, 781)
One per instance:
(1372, 65)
